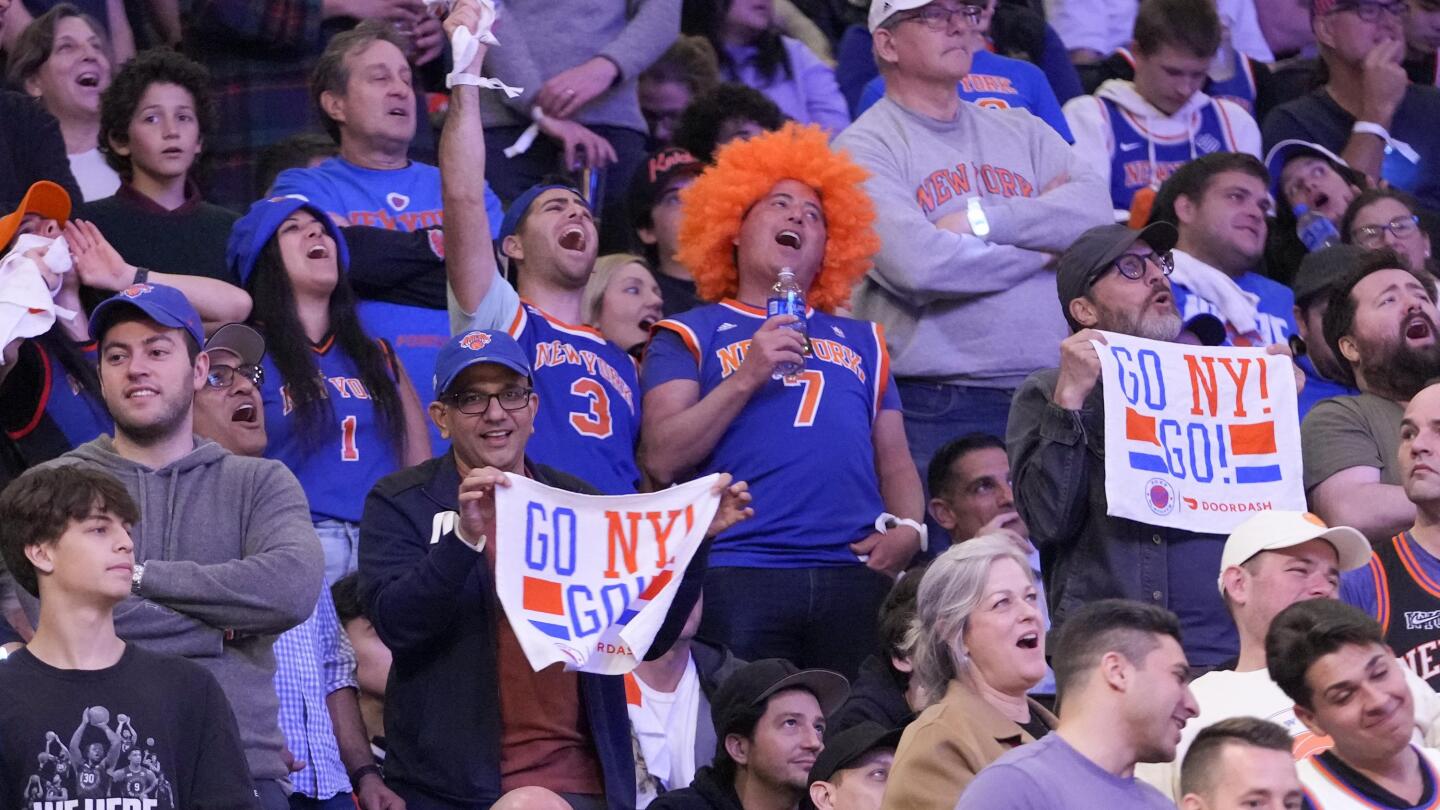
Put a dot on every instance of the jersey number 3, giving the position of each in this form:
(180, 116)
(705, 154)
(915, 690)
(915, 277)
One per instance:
(596, 421)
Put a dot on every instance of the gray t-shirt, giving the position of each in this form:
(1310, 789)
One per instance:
(1344, 432)
(1048, 774)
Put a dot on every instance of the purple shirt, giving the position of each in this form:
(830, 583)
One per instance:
(811, 96)
(1049, 773)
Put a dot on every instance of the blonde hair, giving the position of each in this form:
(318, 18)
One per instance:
(594, 295)
(950, 592)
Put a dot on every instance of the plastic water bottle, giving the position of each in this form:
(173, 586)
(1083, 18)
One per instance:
(1315, 229)
(786, 298)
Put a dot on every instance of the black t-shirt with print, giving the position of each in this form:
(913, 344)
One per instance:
(153, 729)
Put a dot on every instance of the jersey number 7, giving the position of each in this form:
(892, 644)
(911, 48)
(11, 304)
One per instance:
(813, 384)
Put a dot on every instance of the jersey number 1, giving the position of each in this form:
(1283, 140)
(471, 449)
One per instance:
(348, 450)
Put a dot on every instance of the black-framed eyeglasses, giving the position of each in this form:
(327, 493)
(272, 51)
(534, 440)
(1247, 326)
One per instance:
(940, 18)
(1369, 10)
(1132, 265)
(221, 375)
(476, 402)
(1373, 236)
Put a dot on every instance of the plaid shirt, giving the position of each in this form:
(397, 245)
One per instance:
(311, 661)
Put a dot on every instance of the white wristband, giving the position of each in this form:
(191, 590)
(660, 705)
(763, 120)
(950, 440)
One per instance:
(887, 521)
(1371, 128)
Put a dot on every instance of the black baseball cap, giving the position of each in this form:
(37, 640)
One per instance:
(1093, 252)
(754, 683)
(655, 175)
(1320, 271)
(845, 749)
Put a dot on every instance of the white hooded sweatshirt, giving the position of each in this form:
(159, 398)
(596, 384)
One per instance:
(1095, 142)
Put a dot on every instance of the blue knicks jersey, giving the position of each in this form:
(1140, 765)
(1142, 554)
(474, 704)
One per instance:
(1134, 166)
(53, 413)
(338, 468)
(589, 417)
(405, 199)
(1239, 88)
(805, 446)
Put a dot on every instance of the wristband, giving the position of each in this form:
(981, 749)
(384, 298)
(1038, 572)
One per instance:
(141, 273)
(887, 521)
(1371, 128)
(364, 771)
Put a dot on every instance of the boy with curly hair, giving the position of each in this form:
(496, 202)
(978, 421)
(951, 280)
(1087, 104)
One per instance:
(155, 119)
(826, 541)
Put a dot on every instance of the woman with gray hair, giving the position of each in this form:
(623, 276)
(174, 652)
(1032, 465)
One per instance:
(981, 648)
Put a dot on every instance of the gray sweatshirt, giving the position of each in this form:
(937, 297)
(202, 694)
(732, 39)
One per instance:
(540, 38)
(961, 309)
(228, 549)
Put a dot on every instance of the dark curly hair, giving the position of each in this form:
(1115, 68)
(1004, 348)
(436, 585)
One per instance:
(122, 98)
(700, 123)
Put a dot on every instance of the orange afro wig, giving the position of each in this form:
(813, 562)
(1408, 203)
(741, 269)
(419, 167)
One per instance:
(745, 171)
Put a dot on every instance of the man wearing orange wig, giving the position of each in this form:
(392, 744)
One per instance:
(837, 498)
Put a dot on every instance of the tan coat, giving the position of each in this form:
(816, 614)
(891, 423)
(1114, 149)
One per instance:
(943, 749)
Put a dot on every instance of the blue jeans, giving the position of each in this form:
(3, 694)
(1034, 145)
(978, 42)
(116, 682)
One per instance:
(817, 617)
(340, 540)
(935, 414)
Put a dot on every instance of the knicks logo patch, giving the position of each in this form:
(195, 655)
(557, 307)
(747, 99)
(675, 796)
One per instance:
(136, 290)
(475, 341)
(397, 201)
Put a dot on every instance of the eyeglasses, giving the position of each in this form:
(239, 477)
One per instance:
(941, 18)
(222, 376)
(475, 402)
(1369, 10)
(1373, 236)
(1132, 265)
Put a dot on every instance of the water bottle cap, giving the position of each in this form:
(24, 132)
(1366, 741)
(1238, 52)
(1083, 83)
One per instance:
(1301, 209)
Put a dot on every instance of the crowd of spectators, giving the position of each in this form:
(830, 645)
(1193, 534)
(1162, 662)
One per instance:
(288, 289)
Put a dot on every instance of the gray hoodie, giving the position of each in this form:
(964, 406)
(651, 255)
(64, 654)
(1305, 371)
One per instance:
(231, 561)
(960, 309)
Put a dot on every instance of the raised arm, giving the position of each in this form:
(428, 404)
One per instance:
(100, 266)
(469, 254)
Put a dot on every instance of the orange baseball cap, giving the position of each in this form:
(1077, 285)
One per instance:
(45, 199)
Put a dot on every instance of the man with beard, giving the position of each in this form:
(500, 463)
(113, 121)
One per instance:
(1218, 203)
(1380, 324)
(1399, 588)
(1111, 279)
(1332, 661)
(225, 555)
(1319, 272)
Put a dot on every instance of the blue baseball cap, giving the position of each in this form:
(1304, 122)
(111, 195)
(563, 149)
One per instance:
(162, 304)
(477, 346)
(1287, 150)
(521, 206)
(253, 231)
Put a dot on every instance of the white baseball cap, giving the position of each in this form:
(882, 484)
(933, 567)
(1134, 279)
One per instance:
(882, 10)
(1275, 530)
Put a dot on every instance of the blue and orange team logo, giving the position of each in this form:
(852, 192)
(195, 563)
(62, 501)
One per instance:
(1159, 496)
(475, 341)
(136, 290)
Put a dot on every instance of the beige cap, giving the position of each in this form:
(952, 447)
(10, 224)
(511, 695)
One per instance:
(1274, 530)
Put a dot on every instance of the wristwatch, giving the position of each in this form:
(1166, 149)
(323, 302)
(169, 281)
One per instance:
(137, 572)
(364, 771)
(979, 224)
